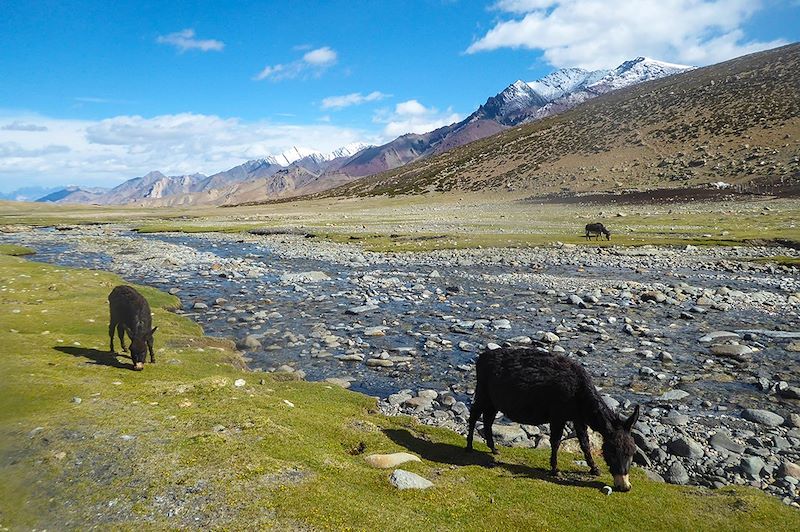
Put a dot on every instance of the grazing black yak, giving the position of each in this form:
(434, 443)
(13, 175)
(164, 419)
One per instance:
(130, 313)
(535, 388)
(596, 230)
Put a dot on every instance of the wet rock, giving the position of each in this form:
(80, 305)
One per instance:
(685, 447)
(375, 331)
(789, 469)
(379, 363)
(751, 466)
(361, 309)
(610, 401)
(404, 480)
(550, 338)
(658, 297)
(418, 403)
(429, 394)
(466, 346)
(655, 477)
(673, 395)
(337, 381)
(717, 336)
(734, 351)
(577, 301)
(508, 434)
(304, 277)
(675, 418)
(677, 474)
(399, 398)
(352, 357)
(789, 392)
(723, 442)
(762, 417)
(249, 343)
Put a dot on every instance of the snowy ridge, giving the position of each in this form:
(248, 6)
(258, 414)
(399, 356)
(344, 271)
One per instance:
(636, 71)
(564, 81)
(295, 154)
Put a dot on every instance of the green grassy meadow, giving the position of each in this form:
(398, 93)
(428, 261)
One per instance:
(180, 445)
(424, 223)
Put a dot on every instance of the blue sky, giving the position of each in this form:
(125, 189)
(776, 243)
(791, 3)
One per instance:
(98, 92)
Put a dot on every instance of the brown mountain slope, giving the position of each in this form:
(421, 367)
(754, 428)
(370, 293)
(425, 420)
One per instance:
(736, 122)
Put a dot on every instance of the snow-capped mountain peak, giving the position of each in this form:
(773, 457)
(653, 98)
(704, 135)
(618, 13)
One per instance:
(289, 156)
(295, 154)
(564, 81)
(639, 70)
(345, 151)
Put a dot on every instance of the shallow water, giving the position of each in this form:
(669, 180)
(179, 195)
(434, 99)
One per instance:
(417, 318)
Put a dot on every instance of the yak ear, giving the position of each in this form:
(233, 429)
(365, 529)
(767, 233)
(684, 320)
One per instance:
(153, 331)
(631, 421)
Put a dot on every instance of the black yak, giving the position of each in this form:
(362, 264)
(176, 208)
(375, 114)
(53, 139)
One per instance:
(597, 229)
(534, 388)
(130, 313)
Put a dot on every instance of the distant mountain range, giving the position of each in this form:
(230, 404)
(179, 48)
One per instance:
(27, 193)
(736, 122)
(302, 171)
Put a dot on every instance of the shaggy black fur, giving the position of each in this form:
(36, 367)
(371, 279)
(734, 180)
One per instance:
(130, 313)
(596, 230)
(534, 388)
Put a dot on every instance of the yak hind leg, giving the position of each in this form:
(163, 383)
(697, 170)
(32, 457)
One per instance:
(583, 439)
(121, 334)
(111, 327)
(489, 414)
(474, 414)
(556, 432)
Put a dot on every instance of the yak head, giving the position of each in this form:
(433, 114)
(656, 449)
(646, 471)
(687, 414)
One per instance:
(140, 339)
(618, 449)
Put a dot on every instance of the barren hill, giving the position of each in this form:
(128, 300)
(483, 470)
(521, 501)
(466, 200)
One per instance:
(735, 122)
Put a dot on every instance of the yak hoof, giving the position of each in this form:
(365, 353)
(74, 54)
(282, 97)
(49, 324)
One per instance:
(594, 471)
(554, 472)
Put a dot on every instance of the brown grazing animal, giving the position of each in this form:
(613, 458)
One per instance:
(596, 230)
(534, 388)
(130, 313)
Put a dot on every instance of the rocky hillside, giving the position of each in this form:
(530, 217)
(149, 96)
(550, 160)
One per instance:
(518, 103)
(735, 122)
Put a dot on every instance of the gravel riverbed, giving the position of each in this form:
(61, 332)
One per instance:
(706, 341)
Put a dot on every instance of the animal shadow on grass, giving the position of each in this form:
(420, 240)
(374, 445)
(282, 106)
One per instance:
(103, 358)
(445, 453)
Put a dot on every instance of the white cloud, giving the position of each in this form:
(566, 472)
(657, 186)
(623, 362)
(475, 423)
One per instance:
(522, 6)
(185, 40)
(320, 57)
(22, 126)
(603, 33)
(355, 98)
(313, 64)
(106, 152)
(413, 117)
